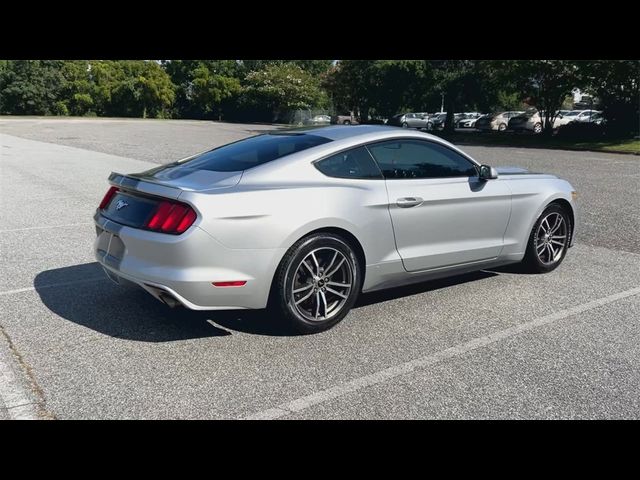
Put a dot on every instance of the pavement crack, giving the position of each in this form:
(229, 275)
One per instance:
(41, 401)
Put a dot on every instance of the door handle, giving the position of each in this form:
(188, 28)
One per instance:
(407, 202)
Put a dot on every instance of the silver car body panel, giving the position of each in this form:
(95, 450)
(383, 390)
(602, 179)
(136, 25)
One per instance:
(248, 220)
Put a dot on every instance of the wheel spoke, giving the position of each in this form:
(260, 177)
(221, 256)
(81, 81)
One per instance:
(317, 304)
(332, 261)
(302, 289)
(550, 255)
(336, 268)
(556, 242)
(556, 224)
(338, 284)
(315, 260)
(324, 302)
(336, 293)
(304, 298)
(304, 262)
(555, 237)
(540, 248)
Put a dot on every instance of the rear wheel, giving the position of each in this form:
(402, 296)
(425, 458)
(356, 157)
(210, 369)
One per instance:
(502, 127)
(317, 283)
(405, 125)
(346, 122)
(537, 128)
(548, 241)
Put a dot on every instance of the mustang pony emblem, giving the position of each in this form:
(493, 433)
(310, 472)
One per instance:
(121, 204)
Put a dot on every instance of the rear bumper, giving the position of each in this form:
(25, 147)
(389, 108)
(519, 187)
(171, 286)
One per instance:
(183, 267)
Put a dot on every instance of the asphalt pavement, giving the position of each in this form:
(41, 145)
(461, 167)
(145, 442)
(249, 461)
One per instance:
(493, 344)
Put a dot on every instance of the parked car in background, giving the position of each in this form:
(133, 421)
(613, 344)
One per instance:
(566, 116)
(468, 120)
(588, 115)
(409, 120)
(319, 120)
(529, 121)
(344, 119)
(497, 121)
(436, 121)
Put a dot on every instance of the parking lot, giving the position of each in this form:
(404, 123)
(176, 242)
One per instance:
(493, 344)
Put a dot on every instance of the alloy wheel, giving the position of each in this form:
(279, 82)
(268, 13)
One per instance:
(322, 283)
(551, 238)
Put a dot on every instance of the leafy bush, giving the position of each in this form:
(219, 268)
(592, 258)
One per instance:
(581, 131)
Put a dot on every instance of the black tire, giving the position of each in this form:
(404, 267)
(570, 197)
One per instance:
(534, 262)
(405, 125)
(289, 275)
(346, 122)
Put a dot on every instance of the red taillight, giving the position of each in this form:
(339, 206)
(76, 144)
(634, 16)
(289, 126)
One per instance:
(171, 217)
(107, 197)
(234, 283)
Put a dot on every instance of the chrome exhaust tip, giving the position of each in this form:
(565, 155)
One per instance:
(168, 300)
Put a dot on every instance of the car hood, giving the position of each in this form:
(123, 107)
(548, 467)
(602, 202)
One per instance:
(511, 170)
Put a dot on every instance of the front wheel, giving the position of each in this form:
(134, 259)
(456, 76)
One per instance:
(548, 240)
(346, 122)
(502, 127)
(537, 128)
(405, 125)
(317, 283)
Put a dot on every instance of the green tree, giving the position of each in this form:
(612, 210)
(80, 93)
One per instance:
(204, 87)
(617, 84)
(278, 89)
(31, 87)
(78, 90)
(544, 83)
(132, 88)
(461, 83)
(212, 91)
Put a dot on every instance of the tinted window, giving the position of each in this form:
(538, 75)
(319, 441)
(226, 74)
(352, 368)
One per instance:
(356, 163)
(253, 151)
(416, 159)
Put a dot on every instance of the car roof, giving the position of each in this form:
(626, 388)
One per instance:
(341, 132)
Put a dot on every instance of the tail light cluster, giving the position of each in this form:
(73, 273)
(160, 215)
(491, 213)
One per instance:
(171, 217)
(167, 217)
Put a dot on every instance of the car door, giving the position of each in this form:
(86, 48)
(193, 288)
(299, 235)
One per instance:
(443, 215)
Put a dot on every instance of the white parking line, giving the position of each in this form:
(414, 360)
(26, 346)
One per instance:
(51, 285)
(303, 403)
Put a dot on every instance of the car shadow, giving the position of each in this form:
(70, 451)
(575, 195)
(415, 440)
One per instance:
(83, 294)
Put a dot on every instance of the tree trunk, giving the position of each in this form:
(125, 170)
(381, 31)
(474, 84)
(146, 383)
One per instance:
(364, 117)
(449, 127)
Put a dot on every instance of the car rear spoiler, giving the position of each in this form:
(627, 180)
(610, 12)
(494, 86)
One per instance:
(130, 183)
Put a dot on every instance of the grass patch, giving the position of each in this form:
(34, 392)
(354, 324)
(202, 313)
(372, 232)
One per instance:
(530, 141)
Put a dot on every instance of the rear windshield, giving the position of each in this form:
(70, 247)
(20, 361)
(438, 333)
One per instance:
(254, 151)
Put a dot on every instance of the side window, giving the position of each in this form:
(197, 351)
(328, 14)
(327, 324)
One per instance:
(418, 159)
(355, 163)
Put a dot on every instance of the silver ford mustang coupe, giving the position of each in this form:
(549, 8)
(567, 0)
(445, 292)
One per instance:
(302, 221)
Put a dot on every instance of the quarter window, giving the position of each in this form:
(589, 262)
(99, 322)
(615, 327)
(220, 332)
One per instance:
(355, 163)
(418, 159)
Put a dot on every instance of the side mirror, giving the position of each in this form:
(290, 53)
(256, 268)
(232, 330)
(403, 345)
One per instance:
(487, 172)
